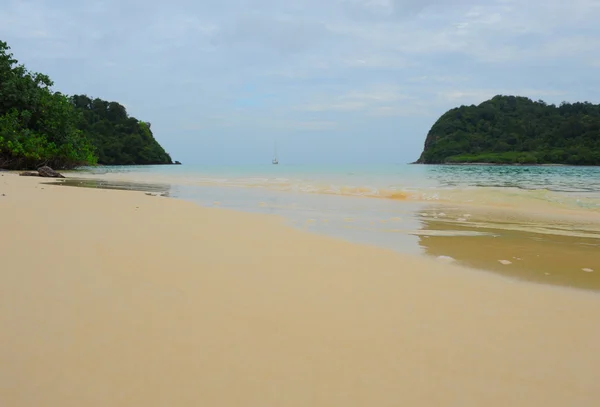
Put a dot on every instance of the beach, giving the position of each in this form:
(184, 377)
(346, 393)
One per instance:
(534, 223)
(118, 298)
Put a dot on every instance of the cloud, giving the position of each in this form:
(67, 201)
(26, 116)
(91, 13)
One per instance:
(380, 98)
(281, 33)
(241, 70)
(395, 9)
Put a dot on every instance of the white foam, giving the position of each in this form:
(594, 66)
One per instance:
(588, 270)
(505, 262)
(445, 259)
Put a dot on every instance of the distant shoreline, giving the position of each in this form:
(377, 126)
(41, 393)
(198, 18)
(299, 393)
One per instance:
(507, 164)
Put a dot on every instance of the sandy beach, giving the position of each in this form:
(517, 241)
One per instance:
(116, 298)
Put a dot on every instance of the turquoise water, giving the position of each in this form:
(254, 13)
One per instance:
(557, 186)
(554, 178)
(556, 200)
(539, 223)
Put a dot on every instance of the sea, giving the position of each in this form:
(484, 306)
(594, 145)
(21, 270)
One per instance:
(534, 223)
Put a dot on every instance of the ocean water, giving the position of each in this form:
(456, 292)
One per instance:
(539, 223)
(564, 185)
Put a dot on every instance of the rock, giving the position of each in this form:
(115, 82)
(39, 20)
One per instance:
(30, 174)
(48, 172)
(177, 163)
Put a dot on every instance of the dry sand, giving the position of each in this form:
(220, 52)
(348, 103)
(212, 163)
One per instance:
(114, 298)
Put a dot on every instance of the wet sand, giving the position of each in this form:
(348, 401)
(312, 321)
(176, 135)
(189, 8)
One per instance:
(545, 244)
(550, 248)
(122, 299)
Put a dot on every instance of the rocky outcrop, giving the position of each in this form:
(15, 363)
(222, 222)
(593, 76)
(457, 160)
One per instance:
(48, 172)
(44, 171)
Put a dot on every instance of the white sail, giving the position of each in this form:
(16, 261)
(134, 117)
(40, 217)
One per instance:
(275, 160)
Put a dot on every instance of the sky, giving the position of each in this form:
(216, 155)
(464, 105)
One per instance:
(329, 81)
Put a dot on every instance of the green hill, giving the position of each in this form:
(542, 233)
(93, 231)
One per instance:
(516, 130)
(118, 139)
(41, 127)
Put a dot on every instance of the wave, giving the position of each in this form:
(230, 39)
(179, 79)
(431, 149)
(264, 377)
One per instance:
(496, 196)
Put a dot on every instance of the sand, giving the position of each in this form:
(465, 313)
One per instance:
(116, 298)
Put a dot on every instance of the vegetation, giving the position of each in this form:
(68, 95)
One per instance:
(516, 130)
(37, 126)
(41, 127)
(118, 138)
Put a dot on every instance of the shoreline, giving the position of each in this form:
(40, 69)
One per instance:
(434, 230)
(118, 298)
(157, 190)
(505, 164)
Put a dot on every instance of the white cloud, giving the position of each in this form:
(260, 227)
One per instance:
(476, 96)
(262, 67)
(378, 97)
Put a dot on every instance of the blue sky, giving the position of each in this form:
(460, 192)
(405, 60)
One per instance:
(340, 81)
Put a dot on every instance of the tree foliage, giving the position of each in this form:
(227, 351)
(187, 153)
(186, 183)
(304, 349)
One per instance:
(41, 127)
(118, 138)
(516, 130)
(37, 126)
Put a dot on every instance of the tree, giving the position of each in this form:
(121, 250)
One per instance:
(42, 127)
(514, 129)
(37, 126)
(119, 139)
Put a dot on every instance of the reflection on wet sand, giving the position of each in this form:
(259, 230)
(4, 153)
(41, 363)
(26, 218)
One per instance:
(560, 247)
(538, 256)
(160, 189)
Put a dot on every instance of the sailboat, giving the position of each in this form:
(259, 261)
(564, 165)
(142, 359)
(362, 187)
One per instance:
(275, 160)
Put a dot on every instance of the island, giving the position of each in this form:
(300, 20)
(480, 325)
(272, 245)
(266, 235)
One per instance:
(117, 138)
(40, 127)
(515, 130)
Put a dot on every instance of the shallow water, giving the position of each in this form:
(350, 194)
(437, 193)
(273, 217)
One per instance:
(555, 186)
(534, 223)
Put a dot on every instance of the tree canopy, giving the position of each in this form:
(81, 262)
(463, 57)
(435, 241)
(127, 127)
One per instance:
(41, 127)
(37, 126)
(118, 138)
(516, 130)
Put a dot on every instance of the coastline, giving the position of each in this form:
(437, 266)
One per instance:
(503, 164)
(523, 240)
(119, 298)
